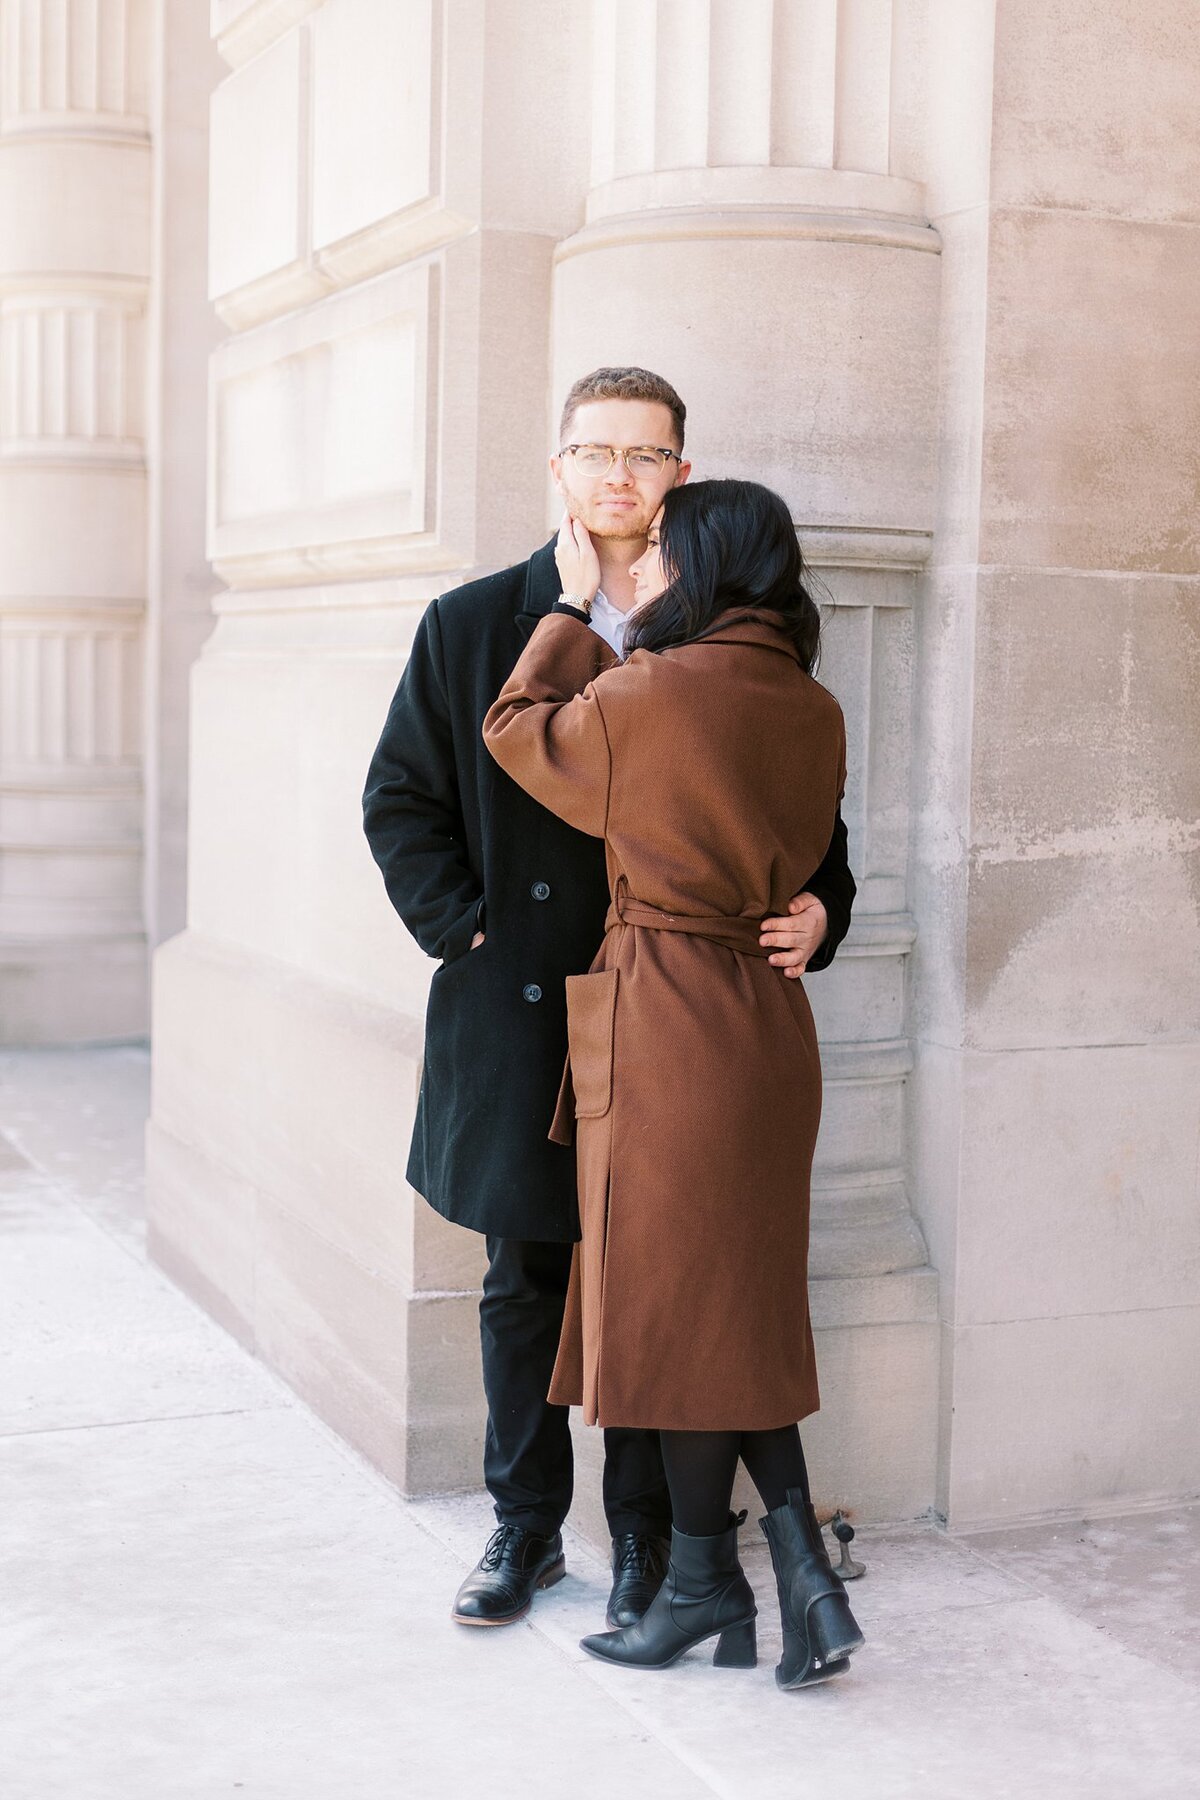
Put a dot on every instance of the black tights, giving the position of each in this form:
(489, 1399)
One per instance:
(701, 1466)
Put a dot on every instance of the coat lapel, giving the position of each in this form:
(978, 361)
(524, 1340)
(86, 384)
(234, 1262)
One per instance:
(542, 588)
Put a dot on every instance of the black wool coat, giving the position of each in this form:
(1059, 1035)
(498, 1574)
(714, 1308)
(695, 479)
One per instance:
(463, 848)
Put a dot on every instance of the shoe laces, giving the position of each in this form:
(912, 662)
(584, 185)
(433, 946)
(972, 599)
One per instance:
(497, 1545)
(636, 1553)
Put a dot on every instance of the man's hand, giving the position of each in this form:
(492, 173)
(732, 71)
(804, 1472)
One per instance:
(477, 940)
(795, 938)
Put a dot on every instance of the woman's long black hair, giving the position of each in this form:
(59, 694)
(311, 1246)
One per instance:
(727, 545)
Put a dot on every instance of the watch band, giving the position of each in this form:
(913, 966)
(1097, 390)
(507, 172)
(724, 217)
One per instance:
(577, 603)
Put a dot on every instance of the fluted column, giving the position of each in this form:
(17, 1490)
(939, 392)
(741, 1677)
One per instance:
(748, 236)
(74, 233)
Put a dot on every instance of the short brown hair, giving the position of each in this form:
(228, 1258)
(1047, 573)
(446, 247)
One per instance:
(622, 384)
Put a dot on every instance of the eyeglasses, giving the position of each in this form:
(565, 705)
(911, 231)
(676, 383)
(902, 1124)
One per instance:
(598, 459)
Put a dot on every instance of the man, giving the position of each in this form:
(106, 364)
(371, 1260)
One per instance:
(513, 901)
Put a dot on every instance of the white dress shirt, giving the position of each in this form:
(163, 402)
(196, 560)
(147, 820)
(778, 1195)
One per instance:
(608, 622)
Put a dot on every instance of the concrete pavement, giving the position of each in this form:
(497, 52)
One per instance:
(206, 1594)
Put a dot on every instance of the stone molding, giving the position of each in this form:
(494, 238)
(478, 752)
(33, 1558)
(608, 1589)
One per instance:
(354, 361)
(241, 28)
(702, 222)
(843, 192)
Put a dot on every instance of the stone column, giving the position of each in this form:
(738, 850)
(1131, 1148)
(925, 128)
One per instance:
(749, 236)
(74, 266)
(380, 248)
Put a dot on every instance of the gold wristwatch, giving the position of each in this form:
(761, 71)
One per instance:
(577, 602)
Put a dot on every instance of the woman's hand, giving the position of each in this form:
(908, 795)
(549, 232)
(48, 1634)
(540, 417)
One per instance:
(578, 564)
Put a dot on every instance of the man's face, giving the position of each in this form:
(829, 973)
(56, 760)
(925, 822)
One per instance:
(621, 503)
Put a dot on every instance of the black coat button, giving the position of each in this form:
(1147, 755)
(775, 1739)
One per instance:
(531, 992)
(540, 890)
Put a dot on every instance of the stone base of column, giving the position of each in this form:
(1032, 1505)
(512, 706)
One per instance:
(87, 990)
(872, 1448)
(276, 1198)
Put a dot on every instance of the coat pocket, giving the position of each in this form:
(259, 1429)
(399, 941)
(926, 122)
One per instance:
(591, 1020)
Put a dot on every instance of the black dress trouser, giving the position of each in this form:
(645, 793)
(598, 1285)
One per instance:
(527, 1461)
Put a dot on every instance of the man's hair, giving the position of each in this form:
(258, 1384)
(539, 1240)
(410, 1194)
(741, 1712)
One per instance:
(622, 384)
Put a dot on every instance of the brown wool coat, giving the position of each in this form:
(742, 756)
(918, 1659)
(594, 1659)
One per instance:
(713, 773)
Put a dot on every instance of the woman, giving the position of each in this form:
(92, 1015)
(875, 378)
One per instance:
(712, 764)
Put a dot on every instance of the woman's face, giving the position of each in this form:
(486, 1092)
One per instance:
(647, 571)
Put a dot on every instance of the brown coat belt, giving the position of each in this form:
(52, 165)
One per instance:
(735, 934)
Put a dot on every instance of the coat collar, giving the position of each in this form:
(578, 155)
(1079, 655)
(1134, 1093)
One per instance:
(542, 587)
(759, 628)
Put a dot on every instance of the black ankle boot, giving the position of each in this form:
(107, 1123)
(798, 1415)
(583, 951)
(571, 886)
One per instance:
(704, 1595)
(819, 1630)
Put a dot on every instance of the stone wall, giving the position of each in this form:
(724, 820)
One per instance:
(923, 266)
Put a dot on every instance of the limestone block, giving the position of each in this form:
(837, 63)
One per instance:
(372, 101)
(101, 557)
(1095, 107)
(1092, 439)
(858, 451)
(257, 158)
(278, 1200)
(201, 1228)
(446, 1258)
(865, 1001)
(296, 883)
(319, 435)
(92, 810)
(1060, 1415)
(100, 219)
(1085, 855)
(494, 434)
(862, 1121)
(47, 886)
(446, 1410)
(86, 988)
(336, 1332)
(1079, 1183)
(321, 1120)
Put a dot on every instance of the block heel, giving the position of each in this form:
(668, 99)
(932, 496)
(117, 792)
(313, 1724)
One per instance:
(737, 1647)
(832, 1629)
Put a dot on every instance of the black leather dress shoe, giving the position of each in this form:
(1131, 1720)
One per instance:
(500, 1588)
(639, 1563)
